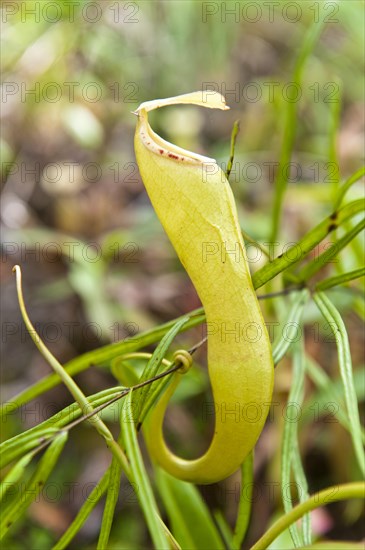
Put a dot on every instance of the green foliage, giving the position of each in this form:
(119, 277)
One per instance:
(244, 506)
(323, 287)
(140, 477)
(290, 458)
(175, 493)
(84, 512)
(19, 501)
(338, 328)
(191, 523)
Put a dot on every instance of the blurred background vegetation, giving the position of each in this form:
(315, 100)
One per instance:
(97, 266)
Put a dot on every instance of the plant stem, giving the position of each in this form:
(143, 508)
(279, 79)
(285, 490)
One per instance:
(331, 494)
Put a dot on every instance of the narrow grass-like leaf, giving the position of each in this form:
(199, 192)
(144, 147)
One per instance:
(223, 528)
(338, 328)
(84, 512)
(297, 465)
(173, 542)
(190, 519)
(282, 344)
(335, 119)
(290, 440)
(234, 134)
(156, 390)
(245, 502)
(24, 498)
(323, 259)
(13, 476)
(341, 279)
(111, 501)
(300, 250)
(23, 443)
(139, 474)
(346, 186)
(301, 481)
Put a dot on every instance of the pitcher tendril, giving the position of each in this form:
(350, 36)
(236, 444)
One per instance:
(195, 204)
